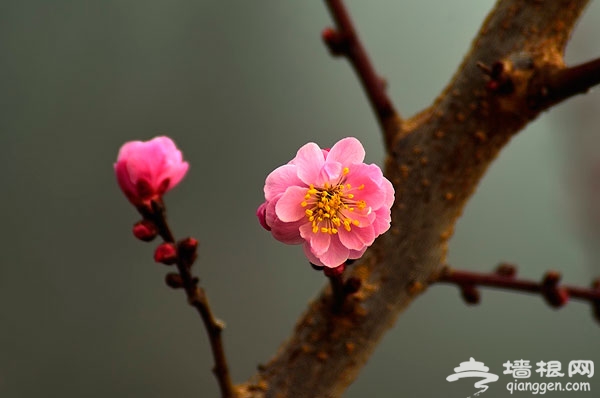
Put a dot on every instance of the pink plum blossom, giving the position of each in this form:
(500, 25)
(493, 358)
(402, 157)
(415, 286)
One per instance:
(147, 169)
(329, 201)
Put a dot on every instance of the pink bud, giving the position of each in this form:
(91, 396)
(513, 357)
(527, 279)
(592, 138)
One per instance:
(145, 230)
(261, 213)
(166, 253)
(146, 170)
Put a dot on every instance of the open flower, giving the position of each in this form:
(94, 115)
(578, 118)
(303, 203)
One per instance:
(329, 200)
(146, 170)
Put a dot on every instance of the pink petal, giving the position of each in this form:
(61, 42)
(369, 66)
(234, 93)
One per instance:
(261, 213)
(382, 220)
(282, 231)
(354, 254)
(347, 151)
(331, 173)
(287, 232)
(368, 177)
(357, 238)
(177, 173)
(288, 207)
(125, 183)
(319, 241)
(309, 161)
(280, 179)
(311, 257)
(388, 188)
(335, 255)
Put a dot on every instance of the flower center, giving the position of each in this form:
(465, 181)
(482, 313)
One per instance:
(331, 206)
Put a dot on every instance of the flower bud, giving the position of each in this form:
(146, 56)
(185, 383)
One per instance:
(174, 280)
(146, 170)
(166, 253)
(187, 249)
(145, 230)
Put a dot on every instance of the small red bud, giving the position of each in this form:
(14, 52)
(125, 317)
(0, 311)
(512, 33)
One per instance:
(188, 244)
(334, 272)
(555, 296)
(145, 230)
(166, 253)
(507, 270)
(174, 280)
(470, 294)
(335, 41)
(187, 249)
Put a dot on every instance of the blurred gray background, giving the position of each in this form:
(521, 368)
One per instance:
(240, 86)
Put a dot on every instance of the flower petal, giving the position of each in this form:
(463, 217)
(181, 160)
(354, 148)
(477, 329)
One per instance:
(261, 213)
(382, 220)
(280, 179)
(282, 231)
(357, 238)
(288, 207)
(309, 161)
(354, 254)
(347, 151)
(366, 184)
(318, 241)
(335, 255)
(311, 257)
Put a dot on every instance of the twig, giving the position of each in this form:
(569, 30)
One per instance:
(186, 255)
(345, 41)
(504, 277)
(567, 82)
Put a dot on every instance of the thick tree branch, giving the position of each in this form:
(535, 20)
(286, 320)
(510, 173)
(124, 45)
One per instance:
(186, 255)
(435, 161)
(504, 277)
(345, 41)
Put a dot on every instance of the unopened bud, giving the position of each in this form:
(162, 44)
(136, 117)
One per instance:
(145, 230)
(187, 249)
(166, 253)
(470, 294)
(555, 296)
(174, 280)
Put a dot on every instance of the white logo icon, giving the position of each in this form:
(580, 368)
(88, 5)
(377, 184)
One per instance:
(474, 369)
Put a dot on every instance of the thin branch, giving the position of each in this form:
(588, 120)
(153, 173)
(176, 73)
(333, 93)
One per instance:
(504, 277)
(197, 298)
(344, 41)
(567, 82)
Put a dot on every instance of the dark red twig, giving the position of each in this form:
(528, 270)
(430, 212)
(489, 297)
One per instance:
(344, 41)
(186, 255)
(504, 277)
(567, 82)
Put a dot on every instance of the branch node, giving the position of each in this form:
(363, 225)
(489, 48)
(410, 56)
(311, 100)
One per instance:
(336, 42)
(554, 295)
(470, 294)
(507, 270)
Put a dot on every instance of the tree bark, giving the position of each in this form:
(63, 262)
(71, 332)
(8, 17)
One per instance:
(435, 161)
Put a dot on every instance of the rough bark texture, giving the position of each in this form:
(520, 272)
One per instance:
(435, 163)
